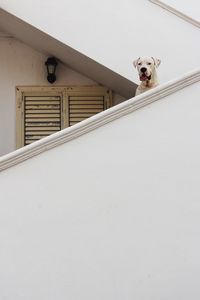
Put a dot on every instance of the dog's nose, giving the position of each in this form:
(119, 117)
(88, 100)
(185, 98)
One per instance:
(143, 70)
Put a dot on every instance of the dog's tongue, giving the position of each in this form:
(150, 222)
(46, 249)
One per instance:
(143, 77)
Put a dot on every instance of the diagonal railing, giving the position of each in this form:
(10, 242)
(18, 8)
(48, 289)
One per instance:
(176, 12)
(98, 120)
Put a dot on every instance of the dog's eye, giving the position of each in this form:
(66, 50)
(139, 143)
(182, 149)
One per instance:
(139, 64)
(149, 63)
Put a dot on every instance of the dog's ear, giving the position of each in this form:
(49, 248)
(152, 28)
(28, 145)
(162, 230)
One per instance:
(157, 62)
(135, 62)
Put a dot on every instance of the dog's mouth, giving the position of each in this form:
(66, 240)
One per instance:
(144, 77)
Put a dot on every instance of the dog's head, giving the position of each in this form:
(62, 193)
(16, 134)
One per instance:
(146, 66)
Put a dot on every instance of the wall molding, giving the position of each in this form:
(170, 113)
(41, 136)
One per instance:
(98, 120)
(177, 12)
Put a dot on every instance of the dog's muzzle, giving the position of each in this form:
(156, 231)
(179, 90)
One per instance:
(144, 77)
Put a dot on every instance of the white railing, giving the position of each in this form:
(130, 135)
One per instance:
(98, 120)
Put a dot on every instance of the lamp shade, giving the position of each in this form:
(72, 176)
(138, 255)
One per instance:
(51, 65)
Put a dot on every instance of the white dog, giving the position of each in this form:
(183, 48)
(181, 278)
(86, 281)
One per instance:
(146, 67)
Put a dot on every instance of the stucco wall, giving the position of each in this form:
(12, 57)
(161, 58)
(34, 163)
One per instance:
(21, 65)
(111, 215)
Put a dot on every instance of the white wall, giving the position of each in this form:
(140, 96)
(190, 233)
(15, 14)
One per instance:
(21, 65)
(113, 214)
(114, 33)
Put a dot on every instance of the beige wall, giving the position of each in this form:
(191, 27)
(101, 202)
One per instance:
(22, 65)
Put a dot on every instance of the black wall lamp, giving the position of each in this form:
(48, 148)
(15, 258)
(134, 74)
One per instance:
(51, 65)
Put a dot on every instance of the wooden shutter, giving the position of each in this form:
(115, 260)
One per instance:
(83, 107)
(42, 117)
(42, 111)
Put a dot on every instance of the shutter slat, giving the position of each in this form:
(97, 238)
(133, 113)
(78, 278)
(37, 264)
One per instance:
(41, 127)
(42, 111)
(45, 123)
(89, 106)
(78, 102)
(42, 120)
(42, 98)
(49, 116)
(83, 98)
(40, 102)
(40, 132)
(35, 136)
(43, 107)
(85, 110)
